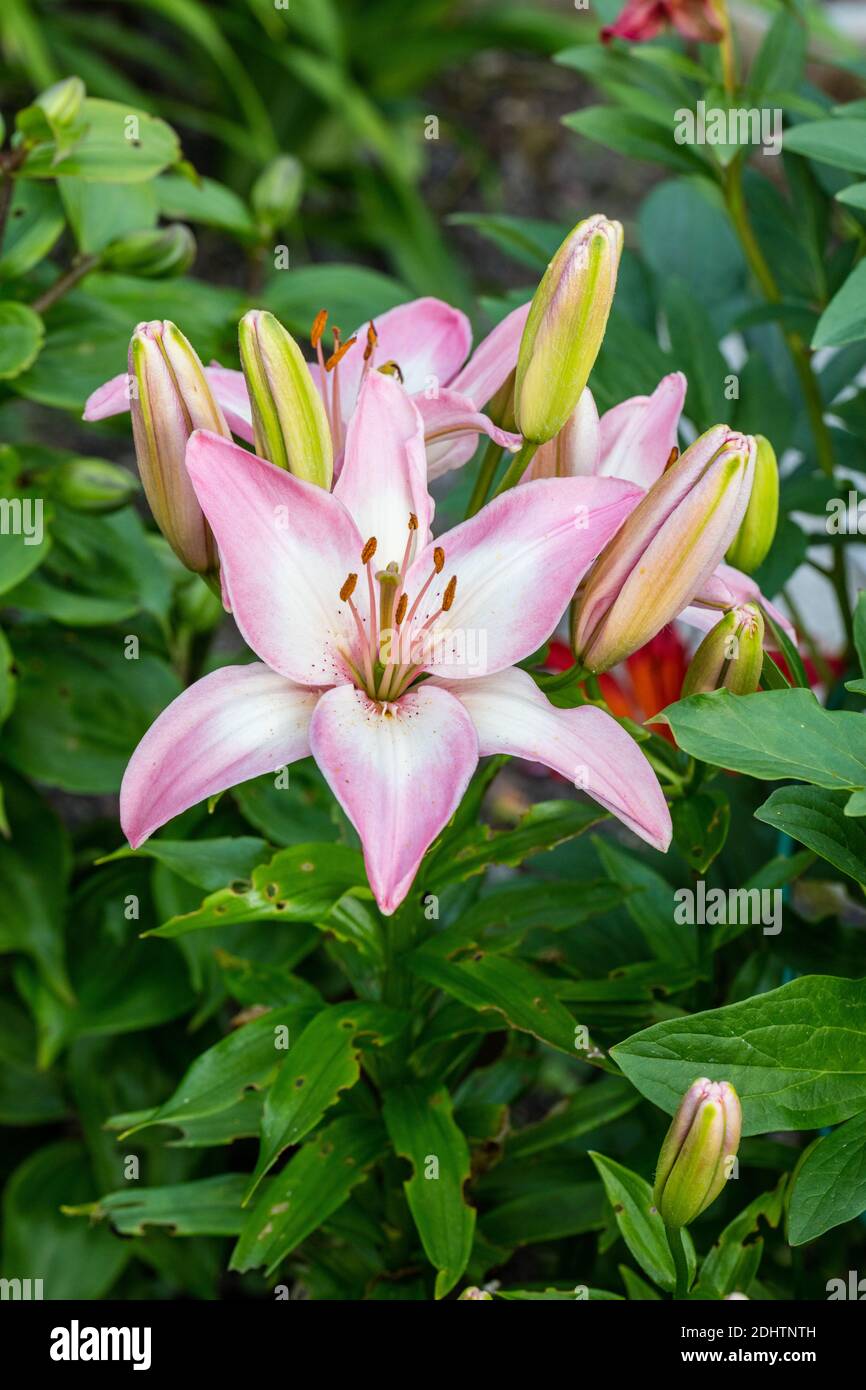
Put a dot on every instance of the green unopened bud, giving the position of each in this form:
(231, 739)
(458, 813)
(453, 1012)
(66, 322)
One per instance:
(169, 398)
(92, 485)
(290, 427)
(474, 1294)
(565, 327)
(276, 193)
(696, 1158)
(758, 528)
(731, 655)
(152, 255)
(62, 102)
(501, 408)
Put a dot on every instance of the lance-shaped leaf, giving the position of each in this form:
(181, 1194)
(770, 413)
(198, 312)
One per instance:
(593, 1105)
(309, 1189)
(421, 1124)
(248, 1057)
(734, 1259)
(325, 1060)
(545, 825)
(639, 1223)
(795, 1055)
(207, 1207)
(208, 864)
(829, 1183)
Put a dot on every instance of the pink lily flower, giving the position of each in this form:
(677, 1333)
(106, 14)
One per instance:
(644, 19)
(346, 648)
(425, 343)
(635, 441)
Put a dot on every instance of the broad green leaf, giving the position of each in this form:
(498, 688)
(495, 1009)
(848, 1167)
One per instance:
(248, 1058)
(778, 66)
(239, 1121)
(34, 868)
(28, 1095)
(206, 1207)
(796, 1055)
(650, 905)
(207, 864)
(421, 1126)
(774, 734)
(324, 1061)
(860, 630)
(117, 146)
(21, 336)
(209, 202)
(820, 820)
(844, 319)
(544, 826)
(685, 232)
(300, 884)
(100, 213)
(525, 999)
(639, 1223)
(570, 1209)
(836, 140)
(312, 1186)
(853, 197)
(35, 222)
(594, 1105)
(733, 1261)
(829, 1183)
(82, 708)
(73, 1259)
(701, 823)
(636, 136)
(856, 803)
(293, 814)
(526, 239)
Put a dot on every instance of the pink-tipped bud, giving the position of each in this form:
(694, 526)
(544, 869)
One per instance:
(666, 550)
(169, 398)
(696, 1156)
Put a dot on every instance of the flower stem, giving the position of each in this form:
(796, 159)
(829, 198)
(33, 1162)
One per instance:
(64, 284)
(486, 474)
(517, 467)
(728, 52)
(678, 1254)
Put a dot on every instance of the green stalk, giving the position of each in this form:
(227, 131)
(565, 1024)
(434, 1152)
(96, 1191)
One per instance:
(484, 481)
(517, 467)
(681, 1269)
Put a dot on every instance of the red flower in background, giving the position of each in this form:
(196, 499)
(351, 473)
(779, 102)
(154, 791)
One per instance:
(643, 19)
(646, 682)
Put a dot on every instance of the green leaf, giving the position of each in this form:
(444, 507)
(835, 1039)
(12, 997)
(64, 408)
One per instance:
(35, 222)
(639, 1223)
(774, 734)
(73, 1259)
(34, 868)
(701, 823)
(860, 630)
(325, 1060)
(838, 141)
(525, 999)
(778, 66)
(829, 1183)
(594, 1105)
(249, 1057)
(8, 678)
(206, 1207)
(421, 1125)
(853, 197)
(101, 213)
(81, 708)
(795, 1055)
(21, 336)
(650, 905)
(117, 146)
(635, 136)
(28, 1095)
(300, 884)
(569, 1209)
(207, 864)
(208, 202)
(844, 319)
(544, 826)
(733, 1261)
(526, 239)
(352, 293)
(820, 820)
(311, 1187)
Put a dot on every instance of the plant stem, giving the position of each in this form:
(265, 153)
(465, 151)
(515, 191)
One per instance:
(486, 474)
(681, 1269)
(9, 162)
(517, 467)
(729, 59)
(64, 284)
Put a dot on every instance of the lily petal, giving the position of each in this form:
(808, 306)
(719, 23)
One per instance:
(493, 359)
(234, 724)
(518, 563)
(584, 745)
(384, 473)
(399, 771)
(448, 416)
(739, 588)
(228, 387)
(637, 436)
(285, 547)
(427, 338)
(576, 451)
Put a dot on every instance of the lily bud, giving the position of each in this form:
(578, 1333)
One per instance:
(169, 399)
(565, 327)
(665, 552)
(474, 1294)
(92, 485)
(62, 102)
(731, 655)
(694, 1160)
(152, 255)
(758, 527)
(276, 193)
(290, 427)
